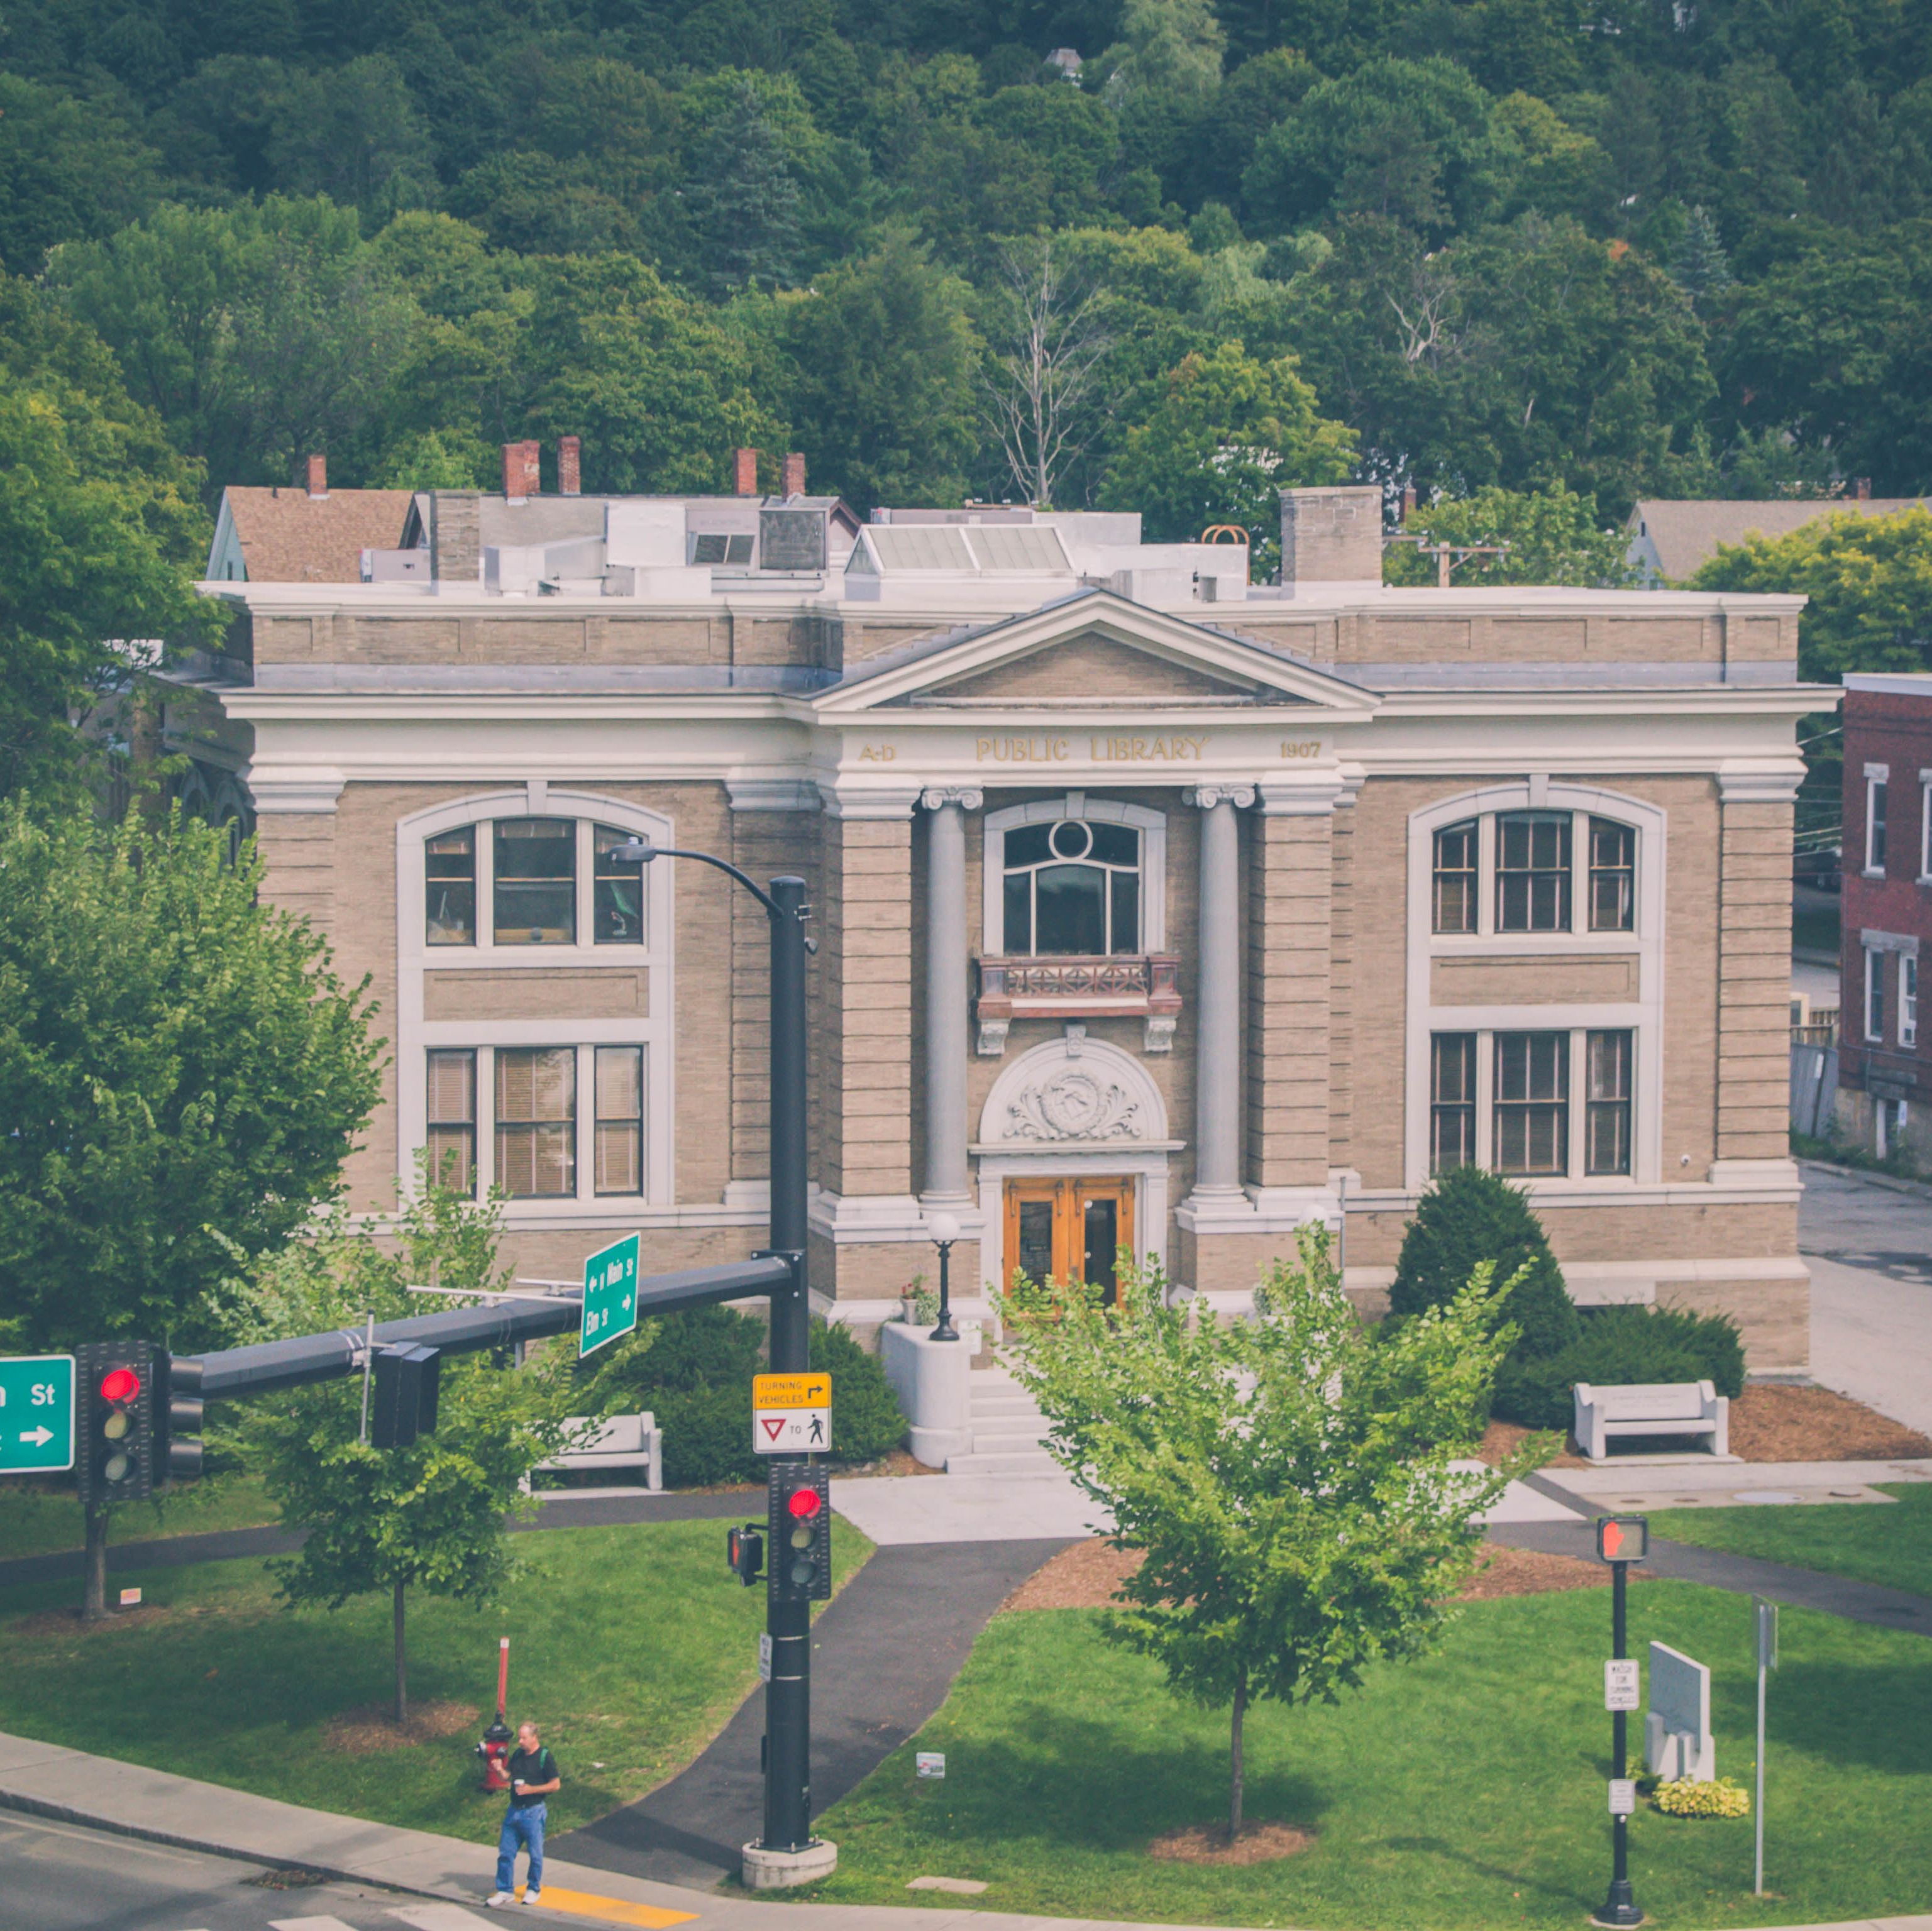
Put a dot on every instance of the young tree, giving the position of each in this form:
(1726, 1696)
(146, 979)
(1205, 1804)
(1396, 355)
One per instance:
(1287, 1476)
(744, 201)
(1553, 535)
(433, 1515)
(181, 1074)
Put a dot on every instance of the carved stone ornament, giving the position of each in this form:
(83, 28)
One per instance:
(968, 797)
(1071, 1103)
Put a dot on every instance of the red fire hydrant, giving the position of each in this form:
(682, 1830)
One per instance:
(494, 1750)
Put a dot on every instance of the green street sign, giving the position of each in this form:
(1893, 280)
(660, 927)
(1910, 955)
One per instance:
(36, 1413)
(609, 1293)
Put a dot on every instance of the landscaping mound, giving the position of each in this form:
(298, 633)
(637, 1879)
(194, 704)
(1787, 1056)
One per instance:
(369, 1729)
(1207, 1844)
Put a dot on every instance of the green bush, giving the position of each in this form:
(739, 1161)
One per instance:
(696, 1377)
(1617, 1346)
(1468, 1215)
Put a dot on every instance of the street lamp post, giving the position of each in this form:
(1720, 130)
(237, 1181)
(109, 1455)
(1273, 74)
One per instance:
(788, 1613)
(944, 1230)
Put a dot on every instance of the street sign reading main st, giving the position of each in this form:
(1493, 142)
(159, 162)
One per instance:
(36, 1413)
(609, 1293)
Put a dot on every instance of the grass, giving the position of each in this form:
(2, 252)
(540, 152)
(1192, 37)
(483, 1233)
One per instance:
(1461, 1793)
(1871, 1543)
(42, 1521)
(630, 1645)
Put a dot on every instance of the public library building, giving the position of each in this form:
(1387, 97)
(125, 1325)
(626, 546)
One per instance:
(1153, 908)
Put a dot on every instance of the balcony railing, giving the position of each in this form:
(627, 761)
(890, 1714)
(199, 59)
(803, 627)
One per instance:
(1125, 985)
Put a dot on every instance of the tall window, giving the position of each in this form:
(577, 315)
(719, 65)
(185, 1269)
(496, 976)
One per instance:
(620, 1120)
(536, 1122)
(1908, 1000)
(618, 897)
(452, 1119)
(1606, 1118)
(449, 866)
(1613, 876)
(1925, 831)
(536, 887)
(1874, 996)
(1072, 888)
(1533, 871)
(1876, 788)
(1452, 1100)
(1532, 1103)
(1456, 901)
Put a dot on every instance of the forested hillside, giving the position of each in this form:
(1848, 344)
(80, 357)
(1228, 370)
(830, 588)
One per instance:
(1667, 247)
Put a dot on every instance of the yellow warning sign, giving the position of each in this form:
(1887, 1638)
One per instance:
(791, 1391)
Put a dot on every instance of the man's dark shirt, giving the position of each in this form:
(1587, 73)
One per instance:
(536, 1766)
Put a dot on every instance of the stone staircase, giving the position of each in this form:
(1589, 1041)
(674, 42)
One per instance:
(1007, 1426)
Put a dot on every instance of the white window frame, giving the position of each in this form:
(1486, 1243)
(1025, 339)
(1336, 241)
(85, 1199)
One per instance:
(417, 960)
(1576, 1105)
(1874, 982)
(1908, 999)
(1877, 777)
(1151, 825)
(1925, 827)
(1641, 1016)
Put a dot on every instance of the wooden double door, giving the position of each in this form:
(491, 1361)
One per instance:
(1069, 1230)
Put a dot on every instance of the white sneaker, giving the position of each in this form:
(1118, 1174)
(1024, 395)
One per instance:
(533, 1897)
(497, 1897)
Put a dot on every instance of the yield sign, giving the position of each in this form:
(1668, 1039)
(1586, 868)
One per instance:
(791, 1431)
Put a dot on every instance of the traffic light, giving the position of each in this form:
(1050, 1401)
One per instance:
(801, 1531)
(178, 1410)
(116, 1458)
(745, 1552)
(1623, 1538)
(404, 1402)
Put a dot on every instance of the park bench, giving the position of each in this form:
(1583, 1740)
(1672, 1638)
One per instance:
(623, 1442)
(1651, 1407)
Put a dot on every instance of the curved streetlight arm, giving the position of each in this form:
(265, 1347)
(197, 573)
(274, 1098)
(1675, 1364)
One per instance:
(641, 851)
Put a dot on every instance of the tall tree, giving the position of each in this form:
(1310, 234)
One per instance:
(1551, 536)
(1287, 1478)
(743, 202)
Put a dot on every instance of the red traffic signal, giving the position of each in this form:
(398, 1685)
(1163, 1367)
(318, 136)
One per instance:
(119, 1385)
(805, 1503)
(1623, 1538)
(744, 1552)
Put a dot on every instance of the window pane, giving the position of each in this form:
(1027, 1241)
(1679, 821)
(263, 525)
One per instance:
(1028, 845)
(1531, 1109)
(449, 862)
(620, 1129)
(617, 916)
(1019, 911)
(1036, 1240)
(536, 1122)
(1071, 909)
(1875, 826)
(1613, 876)
(1115, 844)
(1452, 1110)
(1606, 1126)
(536, 882)
(450, 1095)
(1533, 871)
(1456, 848)
(1126, 935)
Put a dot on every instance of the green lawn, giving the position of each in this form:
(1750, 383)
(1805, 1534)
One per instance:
(36, 1521)
(1463, 1792)
(630, 1646)
(1870, 1542)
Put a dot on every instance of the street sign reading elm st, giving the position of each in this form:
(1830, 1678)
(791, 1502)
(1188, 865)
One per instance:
(36, 1413)
(609, 1293)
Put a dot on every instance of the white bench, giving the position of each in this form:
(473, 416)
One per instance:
(1651, 1407)
(624, 1441)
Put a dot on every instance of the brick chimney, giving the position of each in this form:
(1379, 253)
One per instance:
(520, 480)
(745, 473)
(1407, 504)
(1860, 487)
(318, 476)
(792, 475)
(569, 466)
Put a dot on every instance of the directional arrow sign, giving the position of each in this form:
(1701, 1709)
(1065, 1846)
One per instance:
(36, 1413)
(609, 1293)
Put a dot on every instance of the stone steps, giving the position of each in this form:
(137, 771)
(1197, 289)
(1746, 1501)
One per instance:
(1007, 1426)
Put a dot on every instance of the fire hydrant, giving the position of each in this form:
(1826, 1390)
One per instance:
(494, 1750)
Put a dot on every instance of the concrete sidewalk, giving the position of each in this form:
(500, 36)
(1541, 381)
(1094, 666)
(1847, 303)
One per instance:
(46, 1780)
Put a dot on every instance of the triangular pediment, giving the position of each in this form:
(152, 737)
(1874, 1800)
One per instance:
(1090, 652)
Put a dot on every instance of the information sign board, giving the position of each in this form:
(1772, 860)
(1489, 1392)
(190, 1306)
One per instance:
(1620, 1689)
(1623, 1796)
(610, 1294)
(36, 1413)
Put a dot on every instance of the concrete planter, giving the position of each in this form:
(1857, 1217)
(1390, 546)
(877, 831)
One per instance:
(931, 1380)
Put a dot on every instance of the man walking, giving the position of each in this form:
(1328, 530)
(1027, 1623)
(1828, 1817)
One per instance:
(533, 1776)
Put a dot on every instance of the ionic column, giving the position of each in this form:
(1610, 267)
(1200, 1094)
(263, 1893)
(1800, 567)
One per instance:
(1217, 1159)
(946, 1044)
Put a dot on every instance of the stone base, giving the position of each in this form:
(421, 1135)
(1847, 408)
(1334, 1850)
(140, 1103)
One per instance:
(779, 1870)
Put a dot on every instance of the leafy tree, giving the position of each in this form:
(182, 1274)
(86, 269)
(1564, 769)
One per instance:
(66, 170)
(181, 1073)
(432, 1515)
(1166, 47)
(1869, 580)
(887, 357)
(744, 202)
(1469, 1217)
(353, 132)
(1288, 1477)
(1228, 436)
(1554, 536)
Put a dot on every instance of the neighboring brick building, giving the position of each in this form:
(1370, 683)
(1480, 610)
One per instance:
(1153, 906)
(1884, 1088)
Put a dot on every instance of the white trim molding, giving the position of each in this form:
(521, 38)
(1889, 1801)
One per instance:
(292, 787)
(1769, 782)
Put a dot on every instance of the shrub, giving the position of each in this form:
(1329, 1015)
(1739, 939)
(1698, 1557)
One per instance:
(1618, 1346)
(1720, 1798)
(866, 1420)
(1470, 1215)
(1713, 1339)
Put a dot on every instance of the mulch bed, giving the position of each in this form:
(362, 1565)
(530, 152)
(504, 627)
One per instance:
(1207, 1844)
(368, 1730)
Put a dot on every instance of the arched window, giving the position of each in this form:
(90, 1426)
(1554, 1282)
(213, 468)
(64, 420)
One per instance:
(1072, 888)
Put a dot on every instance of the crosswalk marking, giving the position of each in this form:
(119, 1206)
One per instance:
(613, 1910)
(308, 1924)
(438, 1918)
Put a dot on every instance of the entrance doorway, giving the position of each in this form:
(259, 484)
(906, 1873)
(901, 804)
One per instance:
(1069, 1230)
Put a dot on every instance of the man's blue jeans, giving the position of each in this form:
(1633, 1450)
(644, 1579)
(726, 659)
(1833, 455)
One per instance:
(523, 1825)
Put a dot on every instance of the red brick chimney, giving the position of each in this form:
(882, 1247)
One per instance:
(792, 475)
(569, 466)
(1408, 503)
(318, 476)
(521, 479)
(1860, 487)
(745, 473)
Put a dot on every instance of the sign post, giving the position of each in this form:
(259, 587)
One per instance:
(36, 1414)
(1764, 1626)
(1620, 1540)
(610, 1294)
